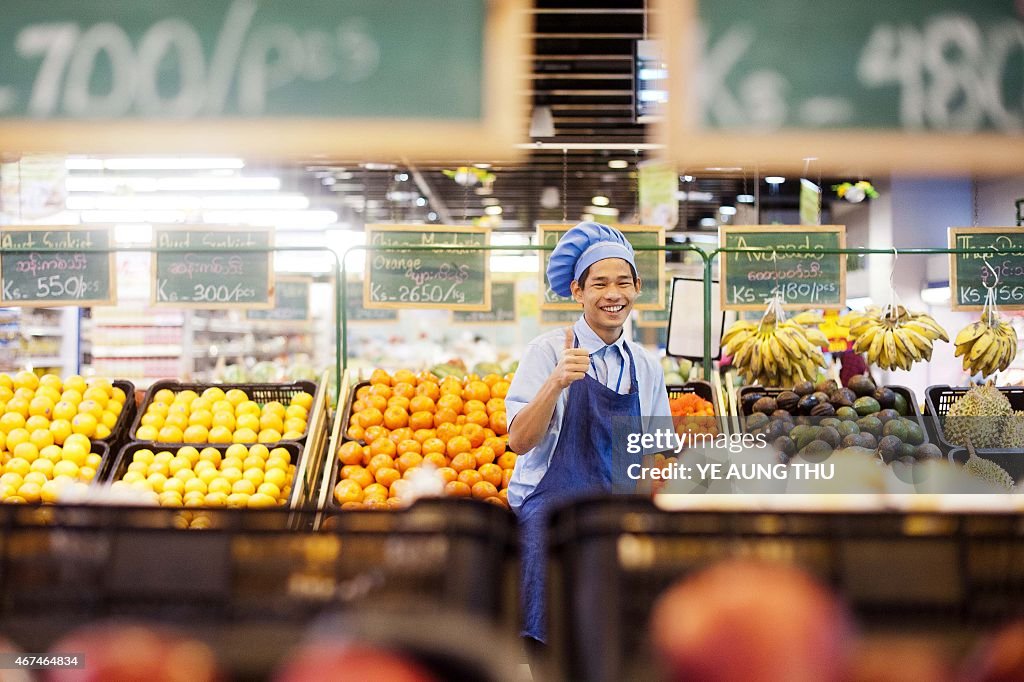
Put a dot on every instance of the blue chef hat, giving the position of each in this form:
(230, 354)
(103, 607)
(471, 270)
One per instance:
(581, 247)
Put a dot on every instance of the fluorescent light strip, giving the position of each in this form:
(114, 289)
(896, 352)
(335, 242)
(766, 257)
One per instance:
(278, 219)
(151, 163)
(178, 202)
(104, 183)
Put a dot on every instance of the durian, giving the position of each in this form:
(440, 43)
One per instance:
(989, 472)
(1015, 432)
(981, 415)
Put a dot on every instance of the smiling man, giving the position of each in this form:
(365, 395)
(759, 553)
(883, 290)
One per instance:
(572, 388)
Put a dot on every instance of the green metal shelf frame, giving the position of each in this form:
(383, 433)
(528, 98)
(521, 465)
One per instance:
(707, 256)
(261, 249)
(341, 272)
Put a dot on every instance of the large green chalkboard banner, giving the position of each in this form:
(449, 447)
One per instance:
(806, 280)
(371, 79)
(451, 276)
(291, 301)
(502, 310)
(650, 266)
(915, 86)
(355, 310)
(970, 275)
(219, 273)
(53, 277)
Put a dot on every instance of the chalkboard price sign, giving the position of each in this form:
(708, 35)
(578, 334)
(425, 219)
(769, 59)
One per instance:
(503, 307)
(805, 280)
(219, 273)
(355, 311)
(291, 301)
(650, 266)
(929, 86)
(448, 277)
(971, 274)
(365, 78)
(57, 278)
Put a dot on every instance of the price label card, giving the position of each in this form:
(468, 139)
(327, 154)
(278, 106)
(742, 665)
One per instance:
(806, 280)
(971, 274)
(221, 272)
(650, 266)
(451, 276)
(291, 301)
(54, 276)
(503, 307)
(355, 311)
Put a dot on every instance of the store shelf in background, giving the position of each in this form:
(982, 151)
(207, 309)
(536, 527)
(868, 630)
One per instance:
(135, 336)
(277, 328)
(134, 351)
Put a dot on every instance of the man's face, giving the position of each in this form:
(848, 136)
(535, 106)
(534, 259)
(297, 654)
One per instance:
(608, 294)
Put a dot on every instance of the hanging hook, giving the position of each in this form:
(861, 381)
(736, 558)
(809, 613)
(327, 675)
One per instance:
(778, 285)
(994, 274)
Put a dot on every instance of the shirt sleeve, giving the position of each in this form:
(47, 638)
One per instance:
(534, 368)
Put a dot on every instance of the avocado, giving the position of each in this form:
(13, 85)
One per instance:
(861, 385)
(865, 406)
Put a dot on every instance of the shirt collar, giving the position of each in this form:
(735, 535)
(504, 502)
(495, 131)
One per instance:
(592, 342)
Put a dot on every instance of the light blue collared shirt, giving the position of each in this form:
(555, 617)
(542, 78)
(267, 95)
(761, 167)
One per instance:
(606, 361)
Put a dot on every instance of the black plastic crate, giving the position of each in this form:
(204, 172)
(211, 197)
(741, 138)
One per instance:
(346, 414)
(258, 393)
(774, 391)
(459, 552)
(437, 555)
(124, 458)
(938, 400)
(611, 558)
(119, 434)
(701, 388)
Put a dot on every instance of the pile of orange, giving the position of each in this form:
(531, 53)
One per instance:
(219, 416)
(693, 414)
(46, 424)
(256, 476)
(404, 421)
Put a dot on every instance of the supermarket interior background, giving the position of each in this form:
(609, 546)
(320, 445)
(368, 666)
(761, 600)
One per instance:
(204, 305)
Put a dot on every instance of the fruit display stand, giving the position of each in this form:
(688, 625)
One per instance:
(305, 452)
(250, 586)
(938, 400)
(744, 406)
(941, 574)
(456, 426)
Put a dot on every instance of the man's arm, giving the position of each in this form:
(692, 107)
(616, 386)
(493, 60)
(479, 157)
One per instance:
(531, 423)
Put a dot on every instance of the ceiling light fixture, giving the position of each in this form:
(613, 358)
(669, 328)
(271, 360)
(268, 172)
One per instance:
(542, 122)
(149, 163)
(774, 179)
(493, 210)
(618, 164)
(727, 210)
(708, 222)
(600, 201)
(744, 198)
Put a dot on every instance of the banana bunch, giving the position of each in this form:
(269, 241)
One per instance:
(988, 345)
(808, 318)
(895, 338)
(775, 353)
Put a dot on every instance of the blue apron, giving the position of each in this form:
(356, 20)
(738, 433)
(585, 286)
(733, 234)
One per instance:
(580, 465)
